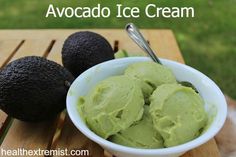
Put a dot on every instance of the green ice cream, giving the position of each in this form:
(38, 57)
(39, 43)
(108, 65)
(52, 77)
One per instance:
(178, 113)
(113, 105)
(114, 109)
(150, 75)
(141, 134)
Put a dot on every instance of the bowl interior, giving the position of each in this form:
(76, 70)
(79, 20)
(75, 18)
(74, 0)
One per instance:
(215, 104)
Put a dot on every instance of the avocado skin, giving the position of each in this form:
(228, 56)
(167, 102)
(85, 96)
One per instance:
(83, 50)
(33, 89)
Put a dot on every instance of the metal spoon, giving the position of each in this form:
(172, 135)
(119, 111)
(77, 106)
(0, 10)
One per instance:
(138, 38)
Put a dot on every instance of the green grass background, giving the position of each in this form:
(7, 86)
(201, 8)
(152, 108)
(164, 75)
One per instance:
(208, 41)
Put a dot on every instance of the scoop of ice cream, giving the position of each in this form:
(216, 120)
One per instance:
(146, 89)
(141, 134)
(151, 75)
(178, 113)
(113, 105)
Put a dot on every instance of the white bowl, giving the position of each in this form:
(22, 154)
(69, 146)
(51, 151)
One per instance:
(215, 105)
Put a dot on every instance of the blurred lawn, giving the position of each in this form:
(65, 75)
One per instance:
(208, 41)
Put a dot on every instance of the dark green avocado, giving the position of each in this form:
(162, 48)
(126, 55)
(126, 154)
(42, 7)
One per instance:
(83, 50)
(33, 88)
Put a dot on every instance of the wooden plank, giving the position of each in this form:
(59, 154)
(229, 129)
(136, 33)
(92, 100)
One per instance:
(23, 134)
(165, 45)
(33, 47)
(28, 135)
(55, 53)
(123, 41)
(226, 138)
(67, 135)
(72, 138)
(208, 149)
(56, 34)
(3, 117)
(7, 48)
(112, 35)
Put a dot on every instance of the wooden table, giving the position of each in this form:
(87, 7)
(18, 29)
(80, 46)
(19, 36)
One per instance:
(61, 133)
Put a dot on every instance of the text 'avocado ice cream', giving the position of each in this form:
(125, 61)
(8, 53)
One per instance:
(144, 108)
(141, 134)
(113, 105)
(178, 113)
(150, 75)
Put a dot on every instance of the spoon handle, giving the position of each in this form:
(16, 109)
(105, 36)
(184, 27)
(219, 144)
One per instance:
(138, 38)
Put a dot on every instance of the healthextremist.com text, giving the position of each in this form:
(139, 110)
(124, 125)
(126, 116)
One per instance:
(42, 152)
(121, 11)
